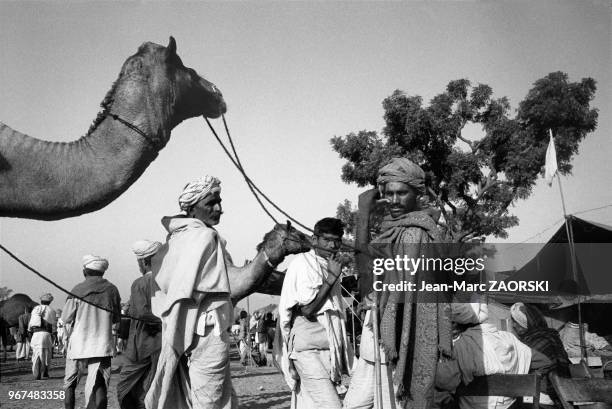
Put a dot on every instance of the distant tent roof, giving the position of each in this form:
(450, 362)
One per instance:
(593, 247)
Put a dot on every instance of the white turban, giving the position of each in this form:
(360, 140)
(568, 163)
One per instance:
(517, 312)
(145, 248)
(469, 313)
(95, 263)
(46, 297)
(197, 190)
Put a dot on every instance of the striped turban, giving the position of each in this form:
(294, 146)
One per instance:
(197, 190)
(405, 171)
(145, 248)
(96, 263)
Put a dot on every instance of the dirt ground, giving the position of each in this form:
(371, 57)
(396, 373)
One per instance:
(256, 387)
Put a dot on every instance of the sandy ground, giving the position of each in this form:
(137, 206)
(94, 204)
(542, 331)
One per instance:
(256, 387)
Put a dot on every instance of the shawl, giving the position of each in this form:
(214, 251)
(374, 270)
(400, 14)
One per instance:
(98, 291)
(408, 326)
(193, 258)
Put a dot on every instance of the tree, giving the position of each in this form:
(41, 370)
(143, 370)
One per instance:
(473, 181)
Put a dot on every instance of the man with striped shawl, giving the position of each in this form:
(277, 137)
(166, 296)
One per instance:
(413, 333)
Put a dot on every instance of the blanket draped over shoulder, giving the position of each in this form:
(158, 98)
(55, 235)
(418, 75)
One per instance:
(97, 290)
(407, 325)
(193, 258)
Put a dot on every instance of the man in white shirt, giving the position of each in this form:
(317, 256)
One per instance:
(312, 321)
(91, 341)
(41, 325)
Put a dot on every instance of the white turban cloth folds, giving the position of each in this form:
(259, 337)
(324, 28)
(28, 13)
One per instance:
(197, 190)
(145, 248)
(46, 297)
(405, 171)
(517, 312)
(95, 263)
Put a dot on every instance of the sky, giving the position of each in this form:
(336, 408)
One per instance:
(293, 74)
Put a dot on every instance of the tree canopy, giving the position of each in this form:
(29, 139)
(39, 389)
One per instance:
(473, 181)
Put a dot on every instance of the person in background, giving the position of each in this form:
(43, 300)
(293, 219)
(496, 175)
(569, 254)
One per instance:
(261, 336)
(41, 325)
(91, 342)
(531, 329)
(60, 333)
(270, 326)
(143, 334)
(244, 344)
(479, 348)
(23, 336)
(570, 336)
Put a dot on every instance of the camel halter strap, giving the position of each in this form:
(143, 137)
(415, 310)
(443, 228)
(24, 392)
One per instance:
(155, 143)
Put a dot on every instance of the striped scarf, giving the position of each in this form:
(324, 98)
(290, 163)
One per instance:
(424, 327)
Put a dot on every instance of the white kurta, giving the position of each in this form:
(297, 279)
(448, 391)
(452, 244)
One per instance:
(484, 350)
(91, 334)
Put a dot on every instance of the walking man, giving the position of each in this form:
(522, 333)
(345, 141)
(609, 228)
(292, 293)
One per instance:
(313, 322)
(41, 326)
(143, 337)
(90, 342)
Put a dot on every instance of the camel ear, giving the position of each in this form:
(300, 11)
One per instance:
(288, 225)
(171, 49)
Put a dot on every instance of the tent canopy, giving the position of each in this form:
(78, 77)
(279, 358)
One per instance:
(593, 247)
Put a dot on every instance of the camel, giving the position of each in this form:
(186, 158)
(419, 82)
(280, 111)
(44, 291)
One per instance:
(153, 94)
(257, 276)
(10, 310)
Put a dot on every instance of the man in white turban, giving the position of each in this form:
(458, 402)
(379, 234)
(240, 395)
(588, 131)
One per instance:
(143, 334)
(41, 324)
(194, 304)
(91, 342)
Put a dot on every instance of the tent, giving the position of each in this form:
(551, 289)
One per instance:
(553, 263)
(593, 250)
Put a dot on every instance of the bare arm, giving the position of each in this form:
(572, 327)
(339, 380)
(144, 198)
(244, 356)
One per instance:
(247, 280)
(334, 269)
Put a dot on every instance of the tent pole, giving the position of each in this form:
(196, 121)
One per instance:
(570, 239)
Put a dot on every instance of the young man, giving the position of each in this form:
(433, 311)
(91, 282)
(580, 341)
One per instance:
(412, 332)
(41, 325)
(312, 320)
(143, 338)
(91, 340)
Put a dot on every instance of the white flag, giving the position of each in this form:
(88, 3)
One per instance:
(551, 160)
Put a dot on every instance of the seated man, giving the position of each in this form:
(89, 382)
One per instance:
(481, 349)
(570, 336)
(531, 328)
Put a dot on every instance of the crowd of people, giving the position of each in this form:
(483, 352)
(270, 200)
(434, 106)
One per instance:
(176, 343)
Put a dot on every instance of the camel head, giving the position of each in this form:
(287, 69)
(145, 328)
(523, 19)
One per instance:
(186, 93)
(283, 240)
